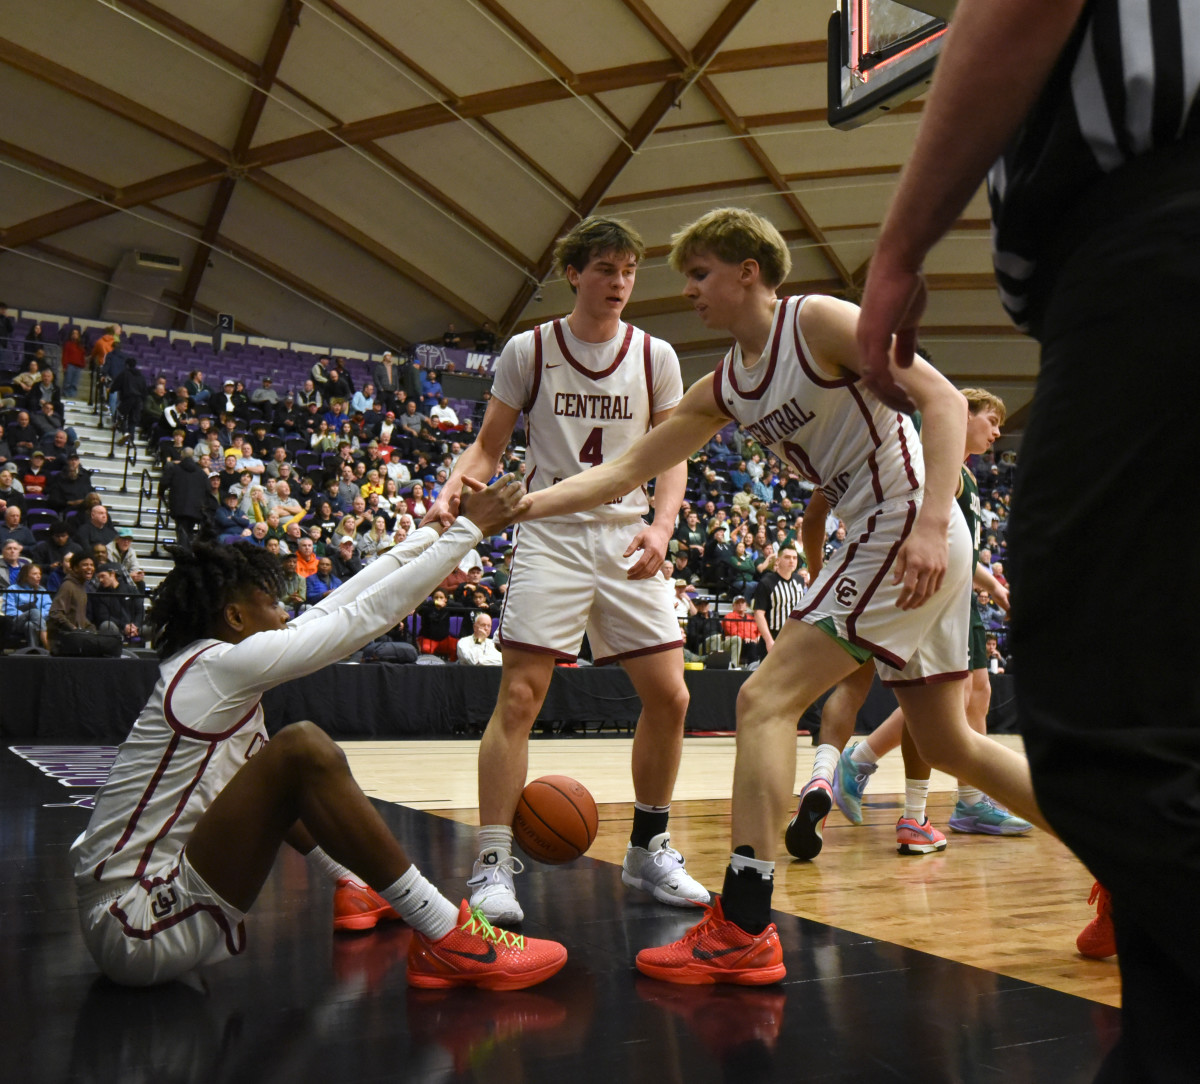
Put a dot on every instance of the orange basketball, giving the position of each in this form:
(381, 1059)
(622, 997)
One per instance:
(556, 819)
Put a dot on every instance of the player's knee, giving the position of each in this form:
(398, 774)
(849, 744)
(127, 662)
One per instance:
(668, 705)
(306, 745)
(519, 707)
(753, 705)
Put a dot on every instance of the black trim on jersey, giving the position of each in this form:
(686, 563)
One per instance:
(582, 369)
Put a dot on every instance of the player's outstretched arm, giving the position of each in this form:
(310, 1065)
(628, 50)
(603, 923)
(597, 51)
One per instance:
(692, 425)
(269, 658)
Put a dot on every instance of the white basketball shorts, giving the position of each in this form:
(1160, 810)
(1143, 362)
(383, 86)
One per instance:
(568, 577)
(160, 927)
(855, 591)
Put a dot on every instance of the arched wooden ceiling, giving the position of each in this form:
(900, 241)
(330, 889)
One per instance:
(366, 172)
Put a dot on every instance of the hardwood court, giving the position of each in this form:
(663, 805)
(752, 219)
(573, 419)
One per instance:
(304, 1006)
(1012, 906)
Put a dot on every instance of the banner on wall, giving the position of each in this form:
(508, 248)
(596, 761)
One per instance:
(432, 356)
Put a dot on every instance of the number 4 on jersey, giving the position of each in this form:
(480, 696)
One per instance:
(592, 452)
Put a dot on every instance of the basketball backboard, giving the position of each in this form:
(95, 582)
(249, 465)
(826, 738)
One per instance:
(881, 54)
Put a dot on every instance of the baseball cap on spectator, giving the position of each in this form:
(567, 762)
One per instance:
(739, 598)
(105, 566)
(702, 600)
(266, 380)
(124, 532)
(290, 395)
(680, 583)
(390, 414)
(227, 383)
(72, 455)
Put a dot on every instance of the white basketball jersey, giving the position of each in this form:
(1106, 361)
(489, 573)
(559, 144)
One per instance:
(179, 755)
(836, 434)
(586, 403)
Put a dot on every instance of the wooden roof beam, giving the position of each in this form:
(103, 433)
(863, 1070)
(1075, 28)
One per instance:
(78, 214)
(666, 97)
(287, 21)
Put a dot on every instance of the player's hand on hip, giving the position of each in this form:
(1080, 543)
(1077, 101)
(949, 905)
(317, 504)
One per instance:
(491, 508)
(920, 567)
(891, 311)
(654, 552)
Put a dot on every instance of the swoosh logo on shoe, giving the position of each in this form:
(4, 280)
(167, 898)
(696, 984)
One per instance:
(702, 954)
(488, 957)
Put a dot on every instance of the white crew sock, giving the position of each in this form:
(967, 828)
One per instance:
(497, 838)
(825, 762)
(969, 795)
(332, 869)
(863, 753)
(916, 791)
(421, 905)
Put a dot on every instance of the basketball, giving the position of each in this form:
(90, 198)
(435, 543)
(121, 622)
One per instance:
(556, 819)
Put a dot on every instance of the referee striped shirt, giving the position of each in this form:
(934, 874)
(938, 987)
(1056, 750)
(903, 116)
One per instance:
(1125, 84)
(777, 598)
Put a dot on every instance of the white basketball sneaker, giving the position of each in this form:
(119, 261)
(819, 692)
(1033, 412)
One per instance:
(658, 869)
(491, 885)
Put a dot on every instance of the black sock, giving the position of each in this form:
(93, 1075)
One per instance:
(646, 825)
(746, 896)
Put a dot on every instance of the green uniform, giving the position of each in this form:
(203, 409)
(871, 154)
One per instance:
(968, 503)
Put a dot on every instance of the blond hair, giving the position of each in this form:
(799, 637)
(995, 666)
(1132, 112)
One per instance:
(595, 236)
(979, 400)
(732, 235)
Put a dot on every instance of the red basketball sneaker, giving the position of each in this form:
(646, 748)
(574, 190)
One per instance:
(716, 950)
(1098, 939)
(357, 907)
(476, 953)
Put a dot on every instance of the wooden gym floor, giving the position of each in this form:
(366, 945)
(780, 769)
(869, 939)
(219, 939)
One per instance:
(958, 966)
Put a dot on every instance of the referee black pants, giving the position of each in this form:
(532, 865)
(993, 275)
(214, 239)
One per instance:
(1105, 566)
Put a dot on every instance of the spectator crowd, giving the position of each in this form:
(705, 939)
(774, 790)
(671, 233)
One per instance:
(334, 472)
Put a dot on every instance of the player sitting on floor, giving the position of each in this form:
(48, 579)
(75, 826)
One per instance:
(198, 802)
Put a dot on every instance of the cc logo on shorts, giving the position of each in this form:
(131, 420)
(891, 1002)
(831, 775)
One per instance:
(845, 590)
(164, 903)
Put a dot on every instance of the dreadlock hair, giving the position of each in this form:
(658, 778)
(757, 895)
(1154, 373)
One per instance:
(188, 603)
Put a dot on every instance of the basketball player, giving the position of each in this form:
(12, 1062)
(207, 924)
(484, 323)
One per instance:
(898, 590)
(589, 386)
(974, 812)
(187, 826)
